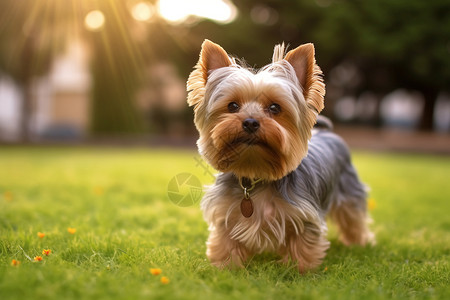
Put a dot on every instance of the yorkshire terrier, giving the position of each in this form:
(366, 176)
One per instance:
(282, 168)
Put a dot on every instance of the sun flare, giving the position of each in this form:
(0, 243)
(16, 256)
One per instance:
(178, 11)
(142, 11)
(94, 20)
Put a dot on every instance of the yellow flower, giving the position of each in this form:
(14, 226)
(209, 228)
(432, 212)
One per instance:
(155, 271)
(165, 280)
(46, 252)
(37, 258)
(71, 230)
(40, 234)
(98, 190)
(15, 263)
(8, 196)
(371, 204)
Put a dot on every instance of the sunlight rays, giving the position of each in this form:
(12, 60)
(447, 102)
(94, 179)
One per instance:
(120, 39)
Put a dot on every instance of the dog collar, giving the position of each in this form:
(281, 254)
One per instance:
(247, 186)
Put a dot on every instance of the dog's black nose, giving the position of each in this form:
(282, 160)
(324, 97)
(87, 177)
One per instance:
(250, 125)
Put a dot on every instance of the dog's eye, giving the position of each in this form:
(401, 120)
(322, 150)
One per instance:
(233, 107)
(274, 109)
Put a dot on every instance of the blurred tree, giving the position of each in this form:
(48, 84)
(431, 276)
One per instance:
(392, 43)
(395, 44)
(117, 66)
(30, 36)
(33, 32)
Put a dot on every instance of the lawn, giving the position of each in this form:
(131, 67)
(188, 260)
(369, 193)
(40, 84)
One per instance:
(117, 201)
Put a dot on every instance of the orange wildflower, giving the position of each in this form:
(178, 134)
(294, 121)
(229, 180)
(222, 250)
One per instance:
(71, 230)
(165, 280)
(15, 263)
(40, 234)
(46, 252)
(155, 271)
(37, 258)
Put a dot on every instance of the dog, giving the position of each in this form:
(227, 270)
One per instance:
(282, 169)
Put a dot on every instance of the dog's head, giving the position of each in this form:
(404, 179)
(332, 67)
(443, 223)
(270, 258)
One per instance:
(255, 124)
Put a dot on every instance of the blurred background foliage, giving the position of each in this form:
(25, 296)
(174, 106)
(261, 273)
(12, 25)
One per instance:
(138, 55)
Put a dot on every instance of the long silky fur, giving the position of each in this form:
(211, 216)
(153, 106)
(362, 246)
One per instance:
(324, 179)
(315, 176)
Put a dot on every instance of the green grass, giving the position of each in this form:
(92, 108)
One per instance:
(117, 201)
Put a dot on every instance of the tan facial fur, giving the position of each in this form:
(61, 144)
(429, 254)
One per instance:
(277, 148)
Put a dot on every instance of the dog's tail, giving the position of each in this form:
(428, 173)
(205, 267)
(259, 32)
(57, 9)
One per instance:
(323, 123)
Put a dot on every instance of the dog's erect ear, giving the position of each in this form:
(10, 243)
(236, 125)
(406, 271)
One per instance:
(308, 74)
(212, 57)
(302, 59)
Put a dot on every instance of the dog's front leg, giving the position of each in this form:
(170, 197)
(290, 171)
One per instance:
(223, 251)
(306, 249)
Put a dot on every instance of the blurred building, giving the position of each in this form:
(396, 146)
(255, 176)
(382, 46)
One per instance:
(60, 99)
(62, 108)
(402, 109)
(10, 97)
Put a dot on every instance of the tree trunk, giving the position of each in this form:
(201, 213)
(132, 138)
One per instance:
(26, 79)
(426, 122)
(26, 111)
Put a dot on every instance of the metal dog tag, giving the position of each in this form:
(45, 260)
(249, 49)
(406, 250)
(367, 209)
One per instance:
(247, 203)
(247, 207)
